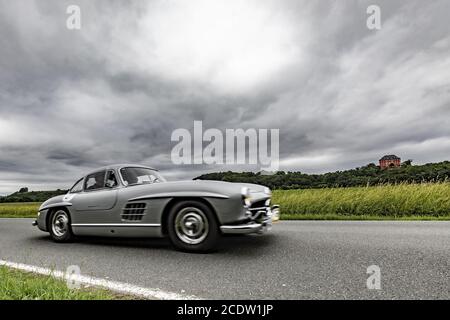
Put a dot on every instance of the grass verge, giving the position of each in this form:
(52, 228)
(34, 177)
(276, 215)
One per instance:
(20, 285)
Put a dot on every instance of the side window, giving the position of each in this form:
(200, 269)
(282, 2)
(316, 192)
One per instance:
(77, 187)
(111, 180)
(95, 181)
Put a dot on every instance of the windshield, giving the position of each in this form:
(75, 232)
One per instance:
(134, 176)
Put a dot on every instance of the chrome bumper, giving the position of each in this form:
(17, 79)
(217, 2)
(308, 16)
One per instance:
(254, 227)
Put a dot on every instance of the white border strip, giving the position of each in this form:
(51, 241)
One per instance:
(119, 287)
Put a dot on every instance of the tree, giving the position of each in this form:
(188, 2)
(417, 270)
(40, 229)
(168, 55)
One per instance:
(407, 163)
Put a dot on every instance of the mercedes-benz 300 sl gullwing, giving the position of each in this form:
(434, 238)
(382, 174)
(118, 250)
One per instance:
(136, 201)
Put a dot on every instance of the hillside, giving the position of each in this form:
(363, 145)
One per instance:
(33, 196)
(363, 176)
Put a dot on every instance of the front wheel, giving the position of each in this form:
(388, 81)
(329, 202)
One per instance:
(193, 227)
(60, 229)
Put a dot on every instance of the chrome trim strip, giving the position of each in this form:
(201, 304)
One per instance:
(180, 194)
(116, 225)
(259, 208)
(243, 228)
(253, 227)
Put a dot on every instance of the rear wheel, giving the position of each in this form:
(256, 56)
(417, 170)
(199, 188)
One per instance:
(193, 227)
(60, 229)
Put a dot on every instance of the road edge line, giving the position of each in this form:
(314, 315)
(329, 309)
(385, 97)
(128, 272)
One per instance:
(115, 286)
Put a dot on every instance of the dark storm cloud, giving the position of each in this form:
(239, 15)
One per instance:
(114, 91)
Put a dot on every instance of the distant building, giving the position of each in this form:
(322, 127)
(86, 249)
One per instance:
(266, 173)
(390, 161)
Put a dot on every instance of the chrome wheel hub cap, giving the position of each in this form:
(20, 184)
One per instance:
(60, 223)
(191, 225)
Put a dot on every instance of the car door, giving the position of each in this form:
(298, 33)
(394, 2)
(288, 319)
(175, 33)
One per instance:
(98, 198)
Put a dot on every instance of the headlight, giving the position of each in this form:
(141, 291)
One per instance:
(245, 192)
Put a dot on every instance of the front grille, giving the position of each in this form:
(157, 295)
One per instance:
(259, 204)
(259, 209)
(134, 211)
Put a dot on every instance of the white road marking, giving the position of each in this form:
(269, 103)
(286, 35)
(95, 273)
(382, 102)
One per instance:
(119, 287)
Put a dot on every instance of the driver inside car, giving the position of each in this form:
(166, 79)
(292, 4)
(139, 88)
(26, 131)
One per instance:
(98, 182)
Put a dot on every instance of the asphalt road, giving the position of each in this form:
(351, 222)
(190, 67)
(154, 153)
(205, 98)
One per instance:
(296, 260)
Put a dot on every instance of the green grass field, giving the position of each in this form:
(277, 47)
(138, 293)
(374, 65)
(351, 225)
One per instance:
(19, 210)
(19, 285)
(427, 201)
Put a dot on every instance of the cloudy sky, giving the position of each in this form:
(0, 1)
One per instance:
(342, 95)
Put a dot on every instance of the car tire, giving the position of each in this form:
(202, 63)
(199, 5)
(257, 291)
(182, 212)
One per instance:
(193, 227)
(59, 226)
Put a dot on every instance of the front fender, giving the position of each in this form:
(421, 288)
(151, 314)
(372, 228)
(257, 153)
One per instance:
(54, 205)
(44, 211)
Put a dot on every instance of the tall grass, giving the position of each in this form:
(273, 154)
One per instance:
(384, 201)
(19, 285)
(19, 210)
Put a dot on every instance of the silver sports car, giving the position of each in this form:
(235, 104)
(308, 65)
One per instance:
(136, 201)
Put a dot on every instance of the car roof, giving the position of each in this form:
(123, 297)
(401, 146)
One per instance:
(120, 165)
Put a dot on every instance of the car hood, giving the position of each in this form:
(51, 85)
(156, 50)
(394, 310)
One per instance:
(223, 186)
(198, 187)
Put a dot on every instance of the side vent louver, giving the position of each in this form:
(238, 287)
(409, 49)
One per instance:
(134, 211)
